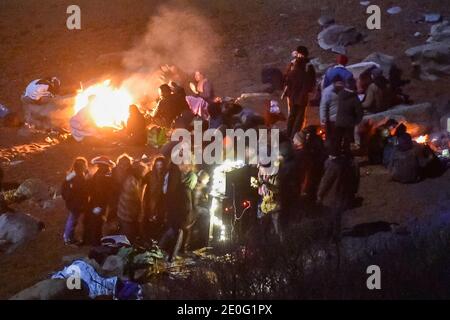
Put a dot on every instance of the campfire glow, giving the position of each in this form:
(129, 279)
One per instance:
(108, 105)
(421, 139)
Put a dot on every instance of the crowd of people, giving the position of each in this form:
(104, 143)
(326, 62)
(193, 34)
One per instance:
(315, 167)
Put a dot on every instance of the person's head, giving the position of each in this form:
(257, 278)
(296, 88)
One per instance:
(124, 161)
(159, 164)
(133, 109)
(164, 91)
(302, 52)
(138, 169)
(55, 85)
(391, 125)
(400, 130)
(342, 59)
(80, 165)
(203, 177)
(198, 76)
(103, 163)
(338, 83)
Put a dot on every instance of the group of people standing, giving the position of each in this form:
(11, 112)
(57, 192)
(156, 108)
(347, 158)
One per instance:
(132, 197)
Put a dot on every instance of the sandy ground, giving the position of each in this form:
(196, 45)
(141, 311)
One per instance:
(34, 42)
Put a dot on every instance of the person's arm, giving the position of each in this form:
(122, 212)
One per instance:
(324, 108)
(359, 113)
(369, 99)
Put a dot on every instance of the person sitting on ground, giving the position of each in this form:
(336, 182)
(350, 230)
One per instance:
(349, 115)
(99, 200)
(129, 210)
(168, 107)
(136, 127)
(203, 87)
(75, 193)
(329, 107)
(338, 69)
(41, 91)
(396, 81)
(379, 94)
(378, 140)
(391, 142)
(404, 164)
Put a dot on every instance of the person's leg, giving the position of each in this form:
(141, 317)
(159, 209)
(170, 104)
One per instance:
(300, 115)
(70, 226)
(348, 138)
(177, 245)
(292, 115)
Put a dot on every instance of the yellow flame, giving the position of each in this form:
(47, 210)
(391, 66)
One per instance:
(108, 105)
(421, 139)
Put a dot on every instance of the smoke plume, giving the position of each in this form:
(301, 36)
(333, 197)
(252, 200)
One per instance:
(179, 37)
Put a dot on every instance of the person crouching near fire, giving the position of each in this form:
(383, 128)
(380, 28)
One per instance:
(99, 200)
(129, 210)
(41, 91)
(75, 193)
(136, 127)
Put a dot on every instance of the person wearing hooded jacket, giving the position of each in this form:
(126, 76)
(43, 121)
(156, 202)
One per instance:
(300, 80)
(99, 200)
(349, 115)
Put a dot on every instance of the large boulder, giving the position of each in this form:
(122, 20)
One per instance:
(419, 118)
(440, 32)
(336, 37)
(17, 229)
(383, 60)
(432, 59)
(34, 189)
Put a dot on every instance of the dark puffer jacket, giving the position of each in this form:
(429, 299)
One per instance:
(350, 111)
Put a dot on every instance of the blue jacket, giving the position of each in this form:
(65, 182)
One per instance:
(334, 71)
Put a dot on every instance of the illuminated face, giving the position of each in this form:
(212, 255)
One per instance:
(159, 166)
(198, 76)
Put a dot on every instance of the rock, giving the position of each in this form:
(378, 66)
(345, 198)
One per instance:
(325, 21)
(432, 17)
(383, 60)
(240, 53)
(34, 189)
(394, 10)
(417, 34)
(364, 3)
(17, 229)
(440, 32)
(51, 289)
(445, 123)
(431, 60)
(419, 118)
(360, 67)
(336, 36)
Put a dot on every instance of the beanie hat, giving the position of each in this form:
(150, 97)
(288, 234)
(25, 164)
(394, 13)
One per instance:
(342, 59)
